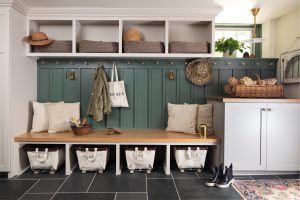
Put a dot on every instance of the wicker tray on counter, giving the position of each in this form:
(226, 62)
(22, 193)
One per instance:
(255, 91)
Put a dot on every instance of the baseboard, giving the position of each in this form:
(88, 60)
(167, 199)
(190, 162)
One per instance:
(239, 173)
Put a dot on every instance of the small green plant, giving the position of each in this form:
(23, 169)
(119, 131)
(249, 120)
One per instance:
(229, 44)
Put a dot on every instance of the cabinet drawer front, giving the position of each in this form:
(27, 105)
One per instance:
(245, 136)
(283, 143)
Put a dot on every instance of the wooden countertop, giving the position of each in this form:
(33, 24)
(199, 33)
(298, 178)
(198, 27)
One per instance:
(251, 100)
(127, 136)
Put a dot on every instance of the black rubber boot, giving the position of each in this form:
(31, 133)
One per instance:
(216, 177)
(227, 179)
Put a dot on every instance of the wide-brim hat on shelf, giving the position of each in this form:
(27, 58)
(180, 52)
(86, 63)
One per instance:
(199, 72)
(38, 39)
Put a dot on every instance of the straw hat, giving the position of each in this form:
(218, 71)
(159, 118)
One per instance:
(38, 39)
(132, 35)
(199, 71)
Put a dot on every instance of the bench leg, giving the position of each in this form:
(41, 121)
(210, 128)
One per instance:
(118, 159)
(167, 161)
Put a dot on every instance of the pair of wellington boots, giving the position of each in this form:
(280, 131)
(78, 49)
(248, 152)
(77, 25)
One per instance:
(220, 179)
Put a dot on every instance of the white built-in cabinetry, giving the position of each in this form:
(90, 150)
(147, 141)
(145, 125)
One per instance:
(259, 136)
(4, 90)
(111, 30)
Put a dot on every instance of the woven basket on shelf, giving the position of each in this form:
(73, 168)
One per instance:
(144, 47)
(62, 46)
(189, 47)
(87, 46)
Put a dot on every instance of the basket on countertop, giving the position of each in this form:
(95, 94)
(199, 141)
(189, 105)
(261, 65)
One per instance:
(189, 47)
(261, 89)
(88, 46)
(144, 47)
(84, 130)
(63, 46)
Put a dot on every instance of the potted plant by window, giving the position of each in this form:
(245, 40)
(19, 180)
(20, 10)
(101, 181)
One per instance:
(229, 47)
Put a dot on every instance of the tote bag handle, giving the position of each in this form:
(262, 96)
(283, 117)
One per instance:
(114, 72)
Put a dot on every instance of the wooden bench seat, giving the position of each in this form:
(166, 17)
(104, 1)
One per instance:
(127, 136)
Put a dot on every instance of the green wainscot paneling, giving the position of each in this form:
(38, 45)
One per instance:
(147, 86)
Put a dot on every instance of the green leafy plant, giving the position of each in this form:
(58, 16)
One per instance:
(229, 44)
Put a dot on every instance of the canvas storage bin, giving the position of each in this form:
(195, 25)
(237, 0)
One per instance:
(190, 157)
(45, 158)
(92, 158)
(88, 46)
(189, 47)
(144, 47)
(140, 158)
(63, 46)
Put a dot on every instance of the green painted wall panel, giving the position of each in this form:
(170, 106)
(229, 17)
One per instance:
(147, 86)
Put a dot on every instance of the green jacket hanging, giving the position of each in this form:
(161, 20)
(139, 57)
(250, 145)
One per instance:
(99, 101)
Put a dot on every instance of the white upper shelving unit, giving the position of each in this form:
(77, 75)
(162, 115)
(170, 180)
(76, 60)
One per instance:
(111, 29)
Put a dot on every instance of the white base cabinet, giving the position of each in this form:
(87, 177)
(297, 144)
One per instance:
(261, 136)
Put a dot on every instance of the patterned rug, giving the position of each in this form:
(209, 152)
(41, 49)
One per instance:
(277, 189)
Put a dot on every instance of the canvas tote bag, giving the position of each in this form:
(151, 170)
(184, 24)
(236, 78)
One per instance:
(117, 90)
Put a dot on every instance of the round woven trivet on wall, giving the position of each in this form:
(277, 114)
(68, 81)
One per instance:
(199, 71)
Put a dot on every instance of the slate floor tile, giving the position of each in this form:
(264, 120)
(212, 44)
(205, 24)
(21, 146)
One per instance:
(267, 177)
(47, 186)
(126, 182)
(28, 174)
(158, 173)
(244, 177)
(186, 174)
(131, 196)
(77, 181)
(84, 196)
(37, 197)
(14, 189)
(205, 173)
(162, 189)
(194, 189)
(289, 176)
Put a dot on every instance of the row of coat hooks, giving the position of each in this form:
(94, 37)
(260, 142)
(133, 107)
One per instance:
(100, 63)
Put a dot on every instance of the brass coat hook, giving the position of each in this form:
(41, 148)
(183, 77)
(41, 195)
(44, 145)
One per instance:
(72, 75)
(171, 75)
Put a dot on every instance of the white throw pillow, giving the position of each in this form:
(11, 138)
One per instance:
(40, 121)
(182, 118)
(205, 116)
(61, 114)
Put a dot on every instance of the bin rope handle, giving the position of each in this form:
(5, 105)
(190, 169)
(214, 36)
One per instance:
(39, 157)
(91, 159)
(140, 155)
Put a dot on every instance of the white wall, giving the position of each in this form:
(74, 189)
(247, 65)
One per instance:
(280, 37)
(23, 73)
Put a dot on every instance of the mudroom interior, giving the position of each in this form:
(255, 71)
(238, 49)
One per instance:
(149, 100)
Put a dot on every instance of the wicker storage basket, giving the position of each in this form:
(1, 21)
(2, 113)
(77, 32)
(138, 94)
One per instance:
(55, 47)
(144, 47)
(256, 91)
(87, 46)
(189, 47)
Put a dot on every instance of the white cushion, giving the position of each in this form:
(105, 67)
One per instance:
(205, 116)
(40, 121)
(182, 118)
(61, 114)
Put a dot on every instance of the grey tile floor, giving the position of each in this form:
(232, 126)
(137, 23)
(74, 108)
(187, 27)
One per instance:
(107, 186)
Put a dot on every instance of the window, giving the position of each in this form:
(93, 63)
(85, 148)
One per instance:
(240, 34)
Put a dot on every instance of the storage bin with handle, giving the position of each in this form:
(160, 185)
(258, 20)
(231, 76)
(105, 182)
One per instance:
(46, 158)
(92, 158)
(140, 158)
(190, 157)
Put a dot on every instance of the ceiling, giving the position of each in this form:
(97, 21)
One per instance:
(234, 11)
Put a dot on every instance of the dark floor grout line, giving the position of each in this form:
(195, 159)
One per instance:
(175, 186)
(91, 182)
(28, 190)
(197, 174)
(146, 176)
(60, 187)
(41, 193)
(159, 178)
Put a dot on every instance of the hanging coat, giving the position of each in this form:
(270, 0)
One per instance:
(99, 101)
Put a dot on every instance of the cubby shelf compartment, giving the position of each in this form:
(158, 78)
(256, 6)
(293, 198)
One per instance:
(112, 29)
(55, 29)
